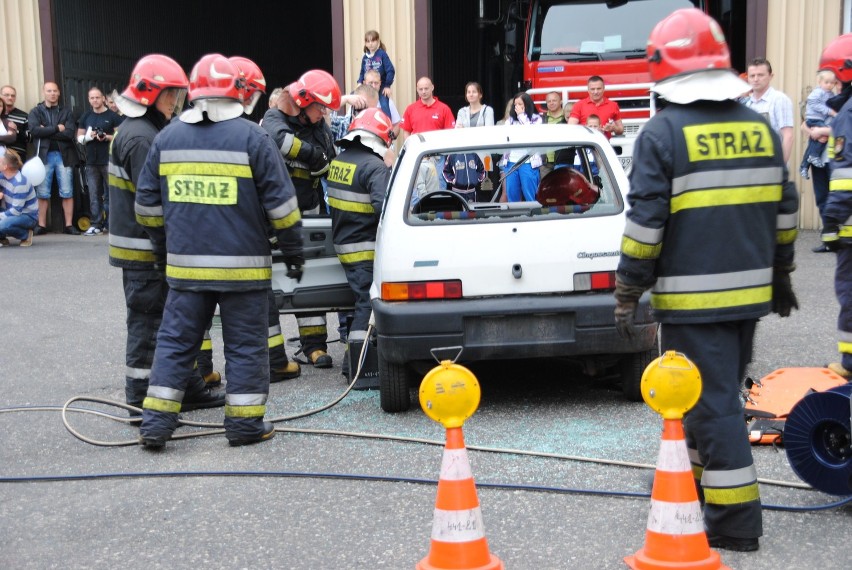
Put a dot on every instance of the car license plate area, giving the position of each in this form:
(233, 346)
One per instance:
(519, 329)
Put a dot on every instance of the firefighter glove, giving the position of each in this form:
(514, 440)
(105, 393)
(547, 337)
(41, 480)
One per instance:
(626, 301)
(783, 298)
(294, 263)
(318, 161)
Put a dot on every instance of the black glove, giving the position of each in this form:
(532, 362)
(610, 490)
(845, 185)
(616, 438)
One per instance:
(624, 313)
(783, 298)
(626, 301)
(294, 266)
(318, 162)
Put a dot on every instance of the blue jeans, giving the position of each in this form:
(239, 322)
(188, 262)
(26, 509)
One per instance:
(97, 178)
(63, 174)
(17, 226)
(522, 183)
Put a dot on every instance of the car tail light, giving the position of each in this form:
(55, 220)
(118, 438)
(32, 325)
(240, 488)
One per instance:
(599, 281)
(421, 290)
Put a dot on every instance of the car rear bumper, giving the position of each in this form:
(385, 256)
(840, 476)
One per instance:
(508, 327)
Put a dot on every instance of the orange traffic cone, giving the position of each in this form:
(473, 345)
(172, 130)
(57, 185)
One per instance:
(675, 537)
(458, 538)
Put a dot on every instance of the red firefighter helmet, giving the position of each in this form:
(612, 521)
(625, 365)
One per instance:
(316, 86)
(837, 57)
(152, 74)
(684, 41)
(252, 81)
(566, 187)
(372, 121)
(215, 76)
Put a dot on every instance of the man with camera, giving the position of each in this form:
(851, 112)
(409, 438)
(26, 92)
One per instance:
(94, 133)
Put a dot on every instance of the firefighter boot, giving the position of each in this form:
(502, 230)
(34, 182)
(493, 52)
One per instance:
(199, 395)
(241, 439)
(838, 369)
(287, 372)
(213, 379)
(320, 359)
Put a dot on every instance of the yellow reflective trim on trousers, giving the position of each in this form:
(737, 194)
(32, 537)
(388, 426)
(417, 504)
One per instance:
(159, 405)
(733, 496)
(276, 340)
(312, 331)
(287, 221)
(219, 273)
(844, 347)
(697, 472)
(640, 250)
(245, 411)
(121, 183)
(351, 206)
(844, 231)
(840, 185)
(207, 344)
(150, 221)
(726, 197)
(711, 300)
(131, 254)
(357, 257)
(206, 169)
(785, 237)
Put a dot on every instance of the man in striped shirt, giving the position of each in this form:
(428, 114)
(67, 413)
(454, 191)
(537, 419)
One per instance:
(20, 212)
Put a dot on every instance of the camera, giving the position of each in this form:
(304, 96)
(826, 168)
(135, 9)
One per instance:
(99, 133)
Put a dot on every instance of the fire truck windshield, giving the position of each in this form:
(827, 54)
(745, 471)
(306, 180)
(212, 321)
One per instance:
(588, 30)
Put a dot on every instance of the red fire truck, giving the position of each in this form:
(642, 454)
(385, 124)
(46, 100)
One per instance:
(568, 41)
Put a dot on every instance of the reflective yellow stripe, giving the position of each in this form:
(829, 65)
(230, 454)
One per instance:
(276, 340)
(312, 331)
(844, 231)
(245, 411)
(356, 257)
(697, 472)
(121, 183)
(160, 405)
(287, 221)
(300, 173)
(734, 496)
(150, 221)
(131, 254)
(786, 236)
(219, 273)
(840, 185)
(295, 147)
(207, 344)
(205, 168)
(712, 300)
(351, 206)
(726, 197)
(640, 250)
(844, 347)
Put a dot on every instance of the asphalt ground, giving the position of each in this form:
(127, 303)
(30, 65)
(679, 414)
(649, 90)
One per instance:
(203, 504)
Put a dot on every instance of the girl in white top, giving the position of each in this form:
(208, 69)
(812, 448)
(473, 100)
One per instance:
(475, 114)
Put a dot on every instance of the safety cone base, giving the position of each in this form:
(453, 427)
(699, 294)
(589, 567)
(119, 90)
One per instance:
(640, 561)
(494, 563)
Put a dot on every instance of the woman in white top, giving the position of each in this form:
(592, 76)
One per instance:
(475, 114)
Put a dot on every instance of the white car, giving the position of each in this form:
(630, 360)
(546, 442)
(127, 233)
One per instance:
(502, 280)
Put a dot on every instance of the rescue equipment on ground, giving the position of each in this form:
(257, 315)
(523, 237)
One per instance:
(368, 379)
(818, 440)
(449, 394)
(675, 535)
(770, 399)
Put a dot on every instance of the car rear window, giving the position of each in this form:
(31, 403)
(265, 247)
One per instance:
(468, 186)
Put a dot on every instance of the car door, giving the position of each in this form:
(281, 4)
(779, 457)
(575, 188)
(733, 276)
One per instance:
(323, 286)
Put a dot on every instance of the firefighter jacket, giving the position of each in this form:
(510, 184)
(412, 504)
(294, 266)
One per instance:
(837, 213)
(712, 212)
(305, 148)
(205, 195)
(357, 182)
(129, 244)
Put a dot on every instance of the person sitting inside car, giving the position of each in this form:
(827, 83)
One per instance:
(464, 173)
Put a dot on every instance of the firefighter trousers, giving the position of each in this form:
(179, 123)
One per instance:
(716, 435)
(313, 333)
(360, 278)
(277, 353)
(244, 332)
(843, 290)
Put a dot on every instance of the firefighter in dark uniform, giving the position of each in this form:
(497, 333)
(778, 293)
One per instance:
(157, 87)
(837, 234)
(280, 367)
(211, 184)
(298, 127)
(710, 230)
(357, 182)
